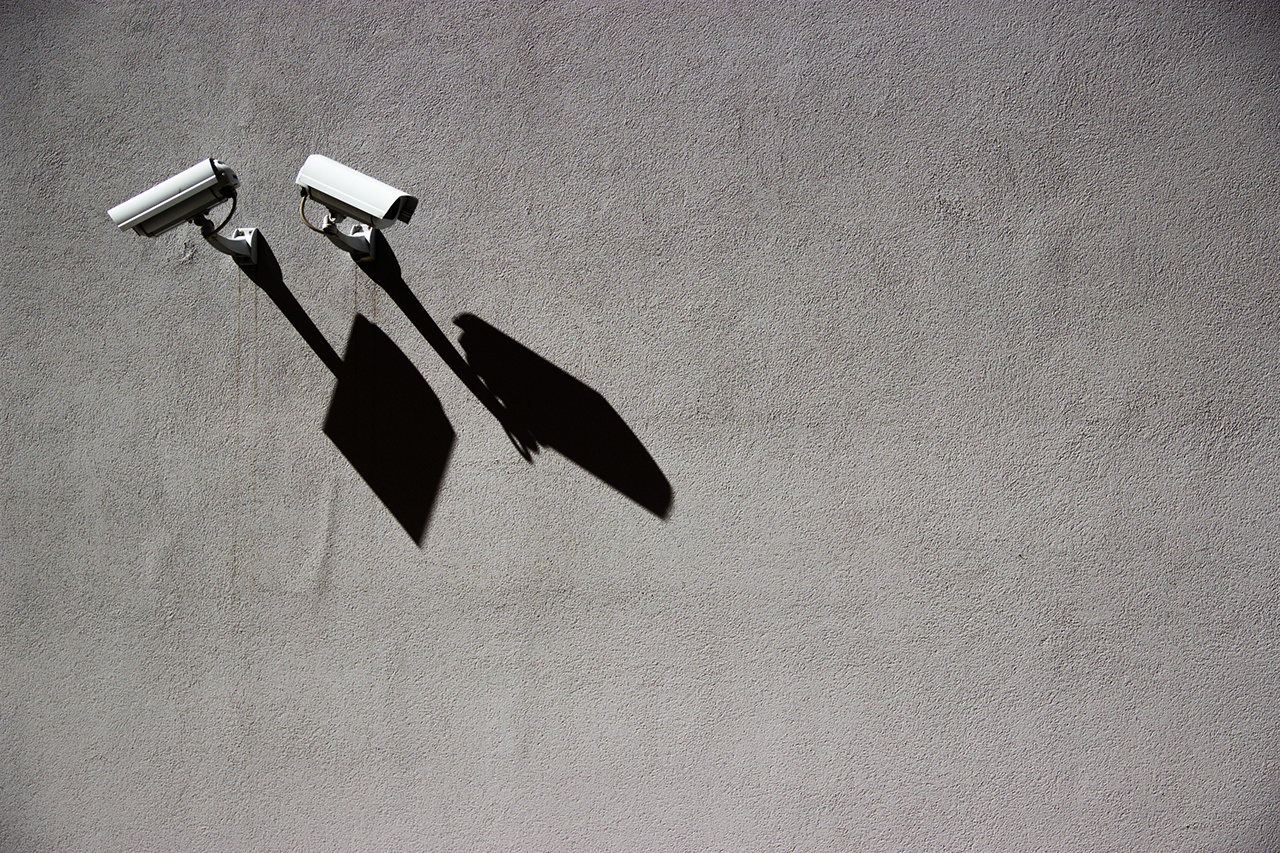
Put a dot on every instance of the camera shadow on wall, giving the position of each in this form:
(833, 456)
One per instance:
(565, 414)
(383, 416)
(389, 424)
(537, 403)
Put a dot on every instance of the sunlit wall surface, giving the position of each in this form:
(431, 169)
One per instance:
(898, 388)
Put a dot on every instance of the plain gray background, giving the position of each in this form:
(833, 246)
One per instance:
(954, 329)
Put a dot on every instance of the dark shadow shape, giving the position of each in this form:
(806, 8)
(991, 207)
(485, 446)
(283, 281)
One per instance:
(564, 414)
(383, 416)
(390, 425)
(384, 270)
(266, 274)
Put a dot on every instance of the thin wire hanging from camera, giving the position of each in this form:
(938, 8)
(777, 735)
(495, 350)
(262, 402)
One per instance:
(221, 225)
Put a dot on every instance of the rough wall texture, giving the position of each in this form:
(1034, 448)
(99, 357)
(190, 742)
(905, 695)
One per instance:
(954, 331)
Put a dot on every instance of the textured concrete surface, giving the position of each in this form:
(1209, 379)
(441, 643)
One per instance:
(953, 329)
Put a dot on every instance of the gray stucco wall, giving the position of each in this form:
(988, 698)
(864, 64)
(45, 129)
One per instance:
(954, 331)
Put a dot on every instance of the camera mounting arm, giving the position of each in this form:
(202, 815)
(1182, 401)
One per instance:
(359, 243)
(242, 245)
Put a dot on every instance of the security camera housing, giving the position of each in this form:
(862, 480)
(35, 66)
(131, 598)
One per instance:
(182, 198)
(348, 193)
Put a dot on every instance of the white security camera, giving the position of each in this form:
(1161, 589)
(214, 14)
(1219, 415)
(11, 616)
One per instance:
(348, 193)
(180, 199)
(187, 197)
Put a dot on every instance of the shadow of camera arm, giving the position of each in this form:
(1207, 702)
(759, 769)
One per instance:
(384, 270)
(267, 276)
